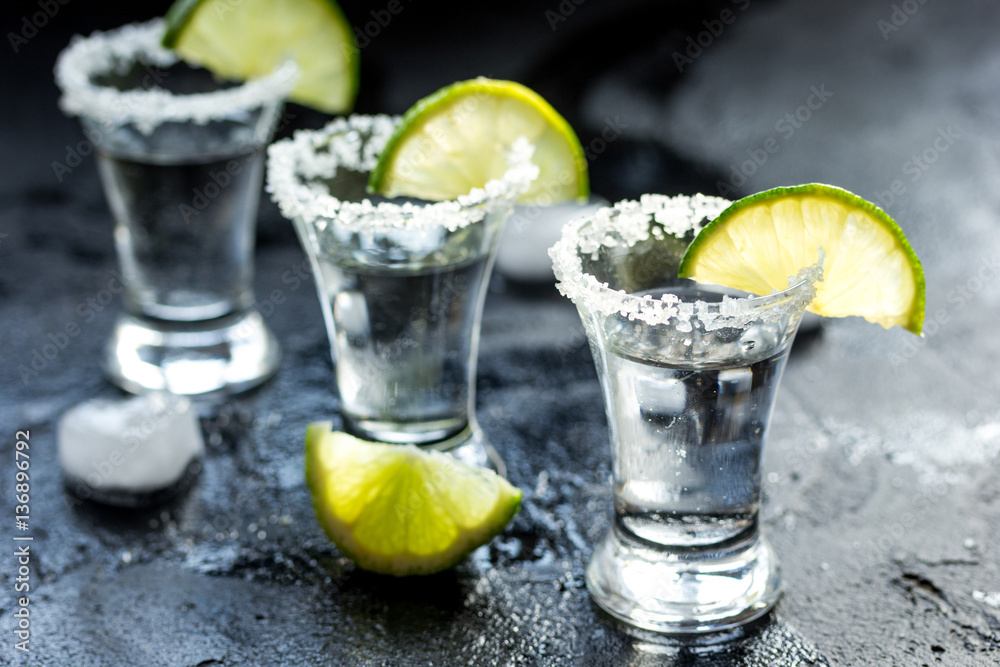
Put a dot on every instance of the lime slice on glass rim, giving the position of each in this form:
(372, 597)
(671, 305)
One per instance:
(869, 268)
(251, 38)
(399, 509)
(457, 139)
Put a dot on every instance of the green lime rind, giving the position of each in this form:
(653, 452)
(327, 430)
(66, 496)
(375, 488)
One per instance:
(176, 19)
(704, 240)
(323, 445)
(315, 92)
(449, 95)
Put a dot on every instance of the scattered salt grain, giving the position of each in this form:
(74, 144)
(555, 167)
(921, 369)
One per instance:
(991, 599)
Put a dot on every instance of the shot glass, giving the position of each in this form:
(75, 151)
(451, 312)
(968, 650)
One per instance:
(689, 374)
(181, 160)
(401, 283)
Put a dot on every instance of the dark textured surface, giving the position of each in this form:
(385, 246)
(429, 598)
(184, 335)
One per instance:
(881, 489)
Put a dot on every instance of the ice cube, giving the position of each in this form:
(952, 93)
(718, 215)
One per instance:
(142, 445)
(530, 232)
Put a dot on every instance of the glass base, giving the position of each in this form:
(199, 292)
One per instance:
(217, 357)
(418, 433)
(471, 446)
(683, 591)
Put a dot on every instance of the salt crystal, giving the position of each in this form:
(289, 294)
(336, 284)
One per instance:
(298, 167)
(627, 223)
(87, 59)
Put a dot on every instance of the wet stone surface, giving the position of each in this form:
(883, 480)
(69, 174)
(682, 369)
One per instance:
(879, 566)
(881, 492)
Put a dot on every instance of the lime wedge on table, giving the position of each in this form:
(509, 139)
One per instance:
(457, 138)
(397, 509)
(869, 268)
(250, 38)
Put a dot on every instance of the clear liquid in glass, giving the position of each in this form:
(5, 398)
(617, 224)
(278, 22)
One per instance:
(184, 200)
(404, 341)
(689, 473)
(688, 412)
(185, 232)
